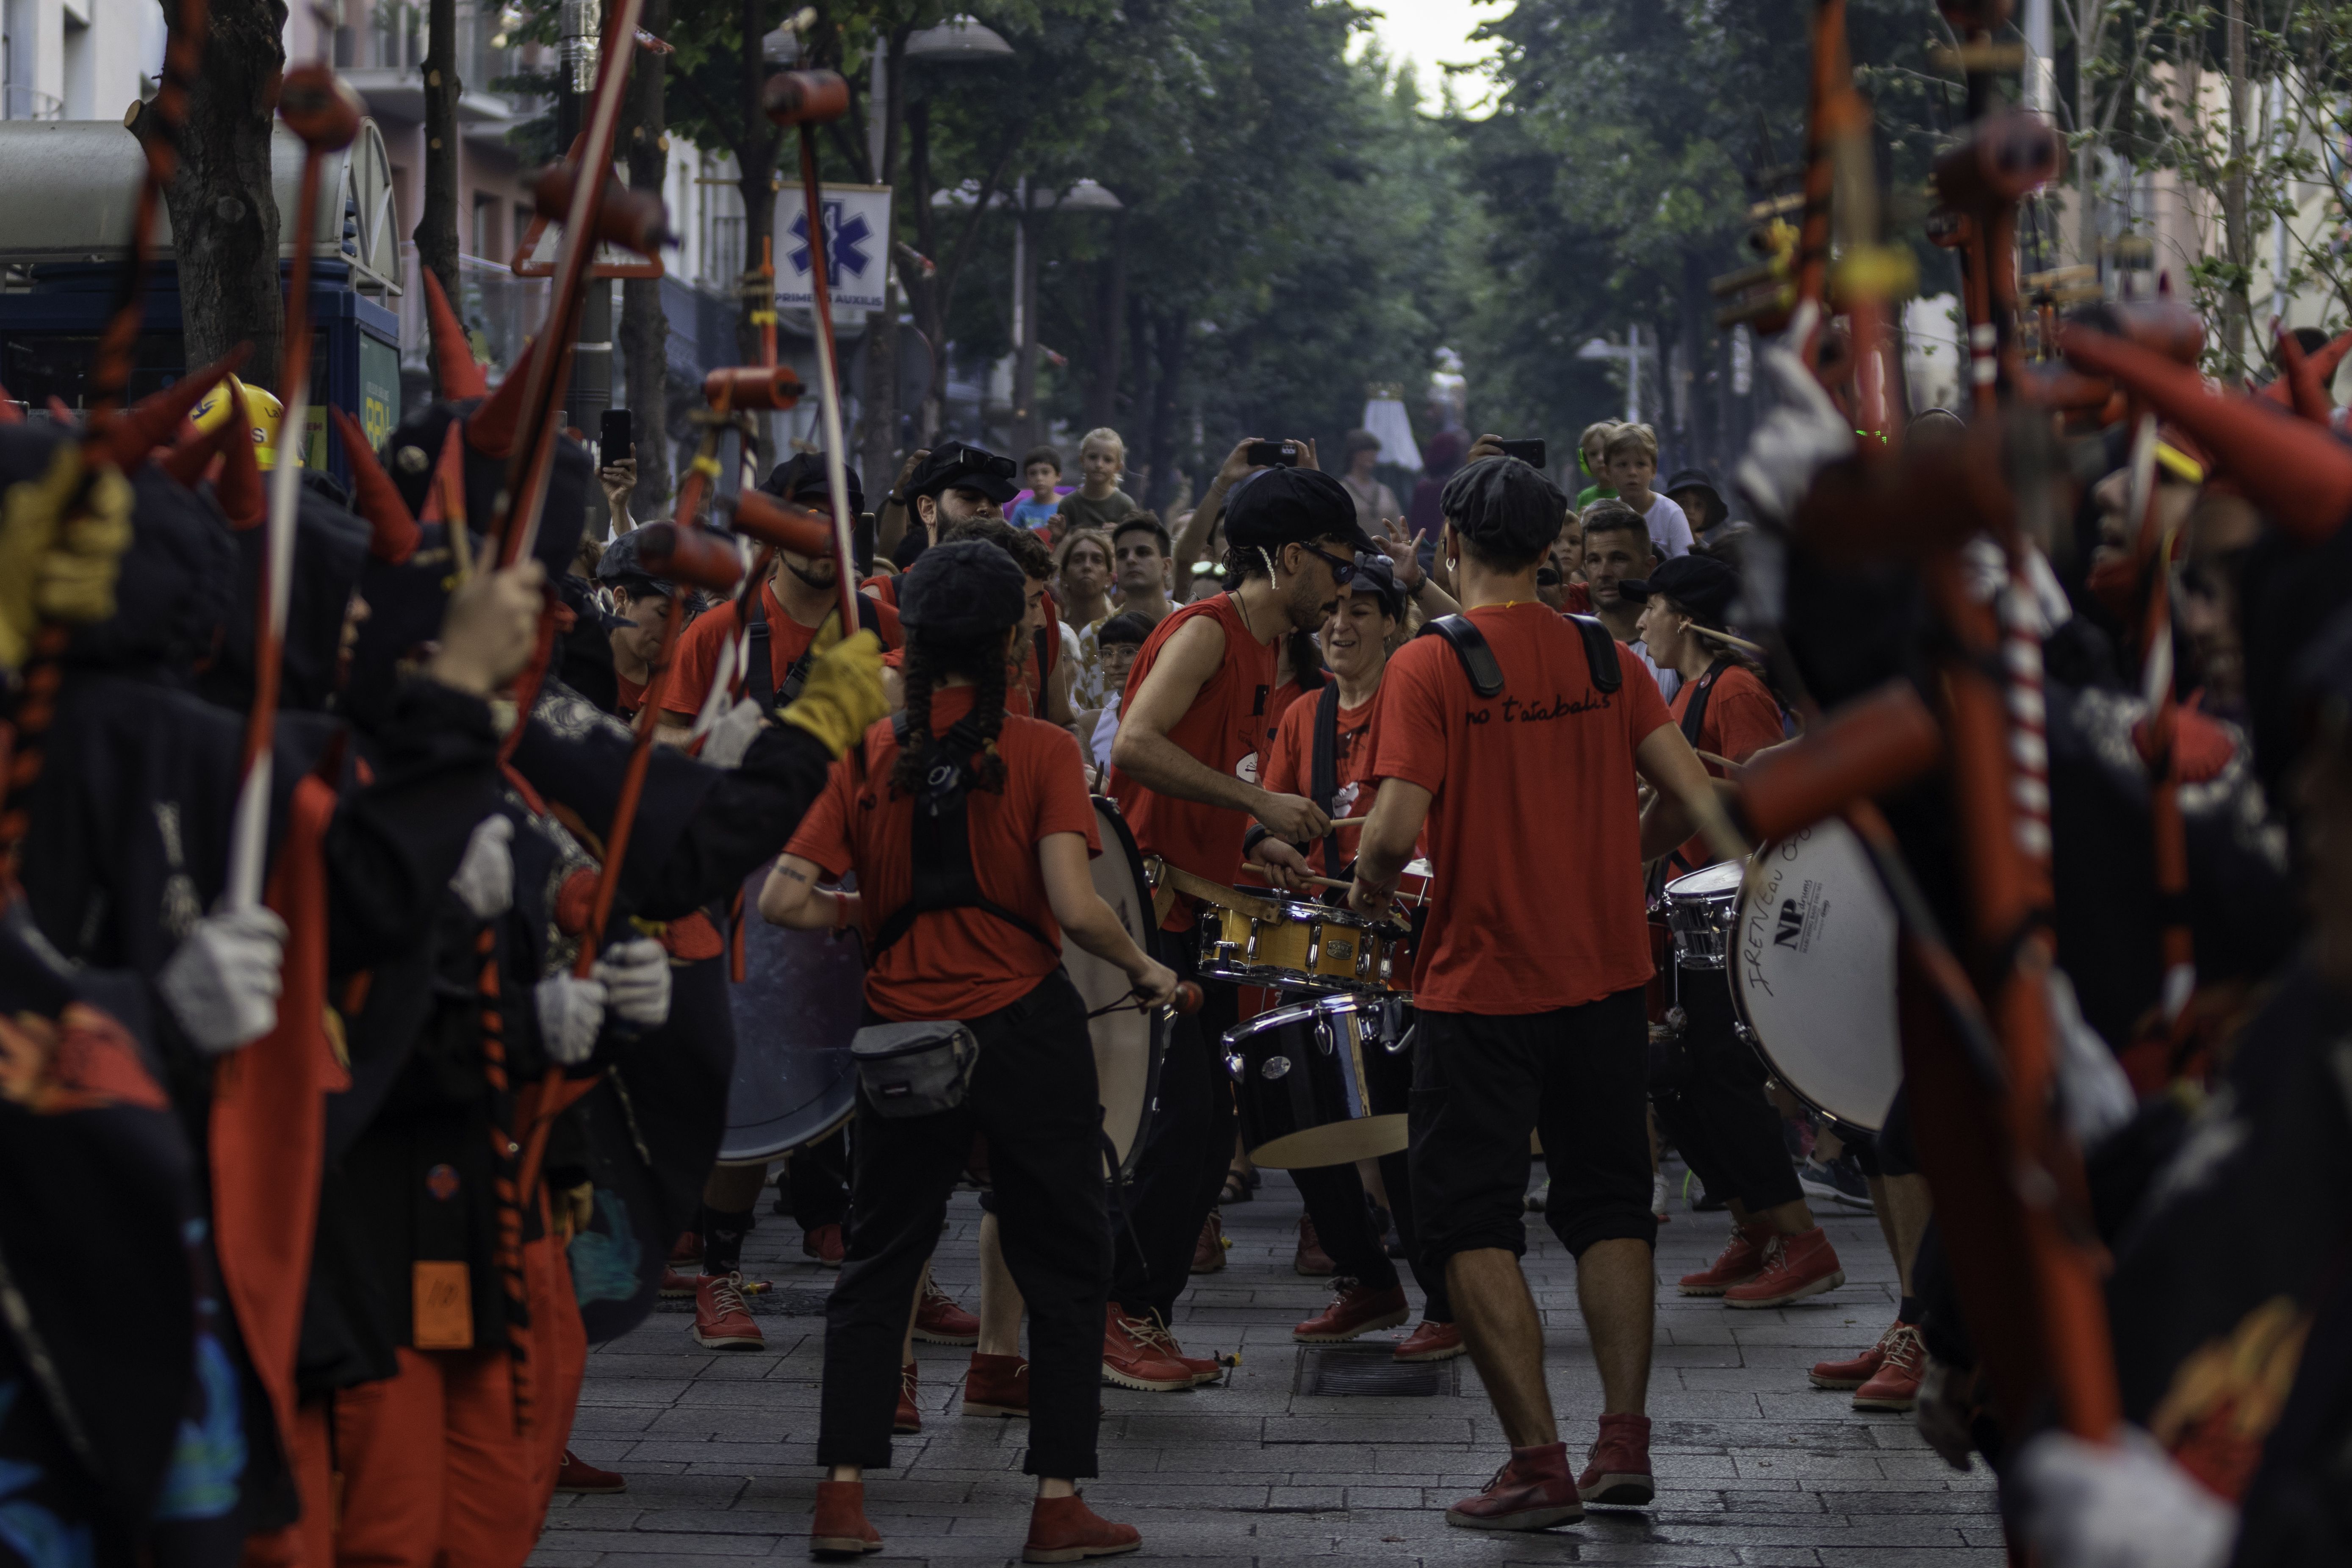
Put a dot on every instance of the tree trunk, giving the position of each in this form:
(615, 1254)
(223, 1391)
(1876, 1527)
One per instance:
(758, 183)
(1172, 334)
(437, 224)
(2237, 232)
(223, 209)
(877, 432)
(645, 328)
(1110, 312)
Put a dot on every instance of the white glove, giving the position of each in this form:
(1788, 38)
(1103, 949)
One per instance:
(484, 881)
(571, 1014)
(732, 735)
(222, 983)
(1804, 434)
(637, 980)
(2126, 1506)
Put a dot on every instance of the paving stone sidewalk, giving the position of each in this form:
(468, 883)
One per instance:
(1754, 1466)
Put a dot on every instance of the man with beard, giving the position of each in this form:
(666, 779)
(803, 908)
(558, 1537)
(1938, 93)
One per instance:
(1184, 769)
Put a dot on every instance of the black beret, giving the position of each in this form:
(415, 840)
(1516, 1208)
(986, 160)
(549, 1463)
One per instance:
(1504, 507)
(1275, 507)
(623, 557)
(957, 463)
(965, 588)
(1375, 573)
(804, 477)
(1699, 583)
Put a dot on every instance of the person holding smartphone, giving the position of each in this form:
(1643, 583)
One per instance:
(979, 942)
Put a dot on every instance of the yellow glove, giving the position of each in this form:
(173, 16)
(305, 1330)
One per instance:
(843, 696)
(55, 566)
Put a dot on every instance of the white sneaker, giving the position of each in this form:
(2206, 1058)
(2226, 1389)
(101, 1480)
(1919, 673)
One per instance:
(1658, 1196)
(1539, 1196)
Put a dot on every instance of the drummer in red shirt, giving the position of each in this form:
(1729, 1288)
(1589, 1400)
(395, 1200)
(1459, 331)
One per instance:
(1720, 1120)
(1336, 723)
(1197, 714)
(980, 941)
(1514, 738)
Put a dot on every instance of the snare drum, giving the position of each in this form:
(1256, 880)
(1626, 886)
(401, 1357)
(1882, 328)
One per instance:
(1300, 946)
(1699, 911)
(1303, 1080)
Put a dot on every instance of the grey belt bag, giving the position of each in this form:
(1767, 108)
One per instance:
(914, 1069)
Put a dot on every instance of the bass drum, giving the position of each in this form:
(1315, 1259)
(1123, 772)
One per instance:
(1127, 1042)
(796, 1008)
(1812, 973)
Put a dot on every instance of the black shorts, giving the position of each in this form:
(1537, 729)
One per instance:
(1480, 1084)
(1889, 1151)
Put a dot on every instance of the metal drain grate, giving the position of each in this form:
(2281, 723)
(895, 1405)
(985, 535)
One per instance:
(1370, 1369)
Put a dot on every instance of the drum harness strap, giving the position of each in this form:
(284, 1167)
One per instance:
(1486, 673)
(1323, 771)
(944, 877)
(760, 673)
(1693, 723)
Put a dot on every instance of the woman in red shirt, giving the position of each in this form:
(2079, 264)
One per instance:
(1719, 1116)
(987, 952)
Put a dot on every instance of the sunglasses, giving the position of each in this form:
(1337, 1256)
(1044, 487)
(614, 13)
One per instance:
(1343, 572)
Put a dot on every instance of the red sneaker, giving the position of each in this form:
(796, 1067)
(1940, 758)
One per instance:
(1311, 1259)
(1065, 1530)
(1895, 1385)
(1355, 1309)
(1617, 1470)
(840, 1529)
(996, 1385)
(909, 1416)
(577, 1475)
(1855, 1373)
(1162, 1339)
(684, 1267)
(1741, 1259)
(1431, 1341)
(825, 1245)
(1209, 1251)
(722, 1321)
(1534, 1491)
(939, 1322)
(1795, 1267)
(1132, 1358)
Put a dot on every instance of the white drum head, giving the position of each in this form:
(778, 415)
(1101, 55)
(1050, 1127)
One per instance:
(1720, 880)
(1813, 973)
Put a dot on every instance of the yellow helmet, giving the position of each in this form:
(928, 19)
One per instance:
(263, 409)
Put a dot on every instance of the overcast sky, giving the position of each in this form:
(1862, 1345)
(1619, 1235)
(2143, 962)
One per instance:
(1435, 33)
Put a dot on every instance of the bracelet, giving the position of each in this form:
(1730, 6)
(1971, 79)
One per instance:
(841, 911)
(1258, 834)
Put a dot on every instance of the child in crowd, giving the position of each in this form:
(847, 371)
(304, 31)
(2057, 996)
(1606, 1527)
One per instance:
(1630, 463)
(1034, 507)
(1098, 502)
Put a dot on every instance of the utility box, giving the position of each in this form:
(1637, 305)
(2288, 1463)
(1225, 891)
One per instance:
(70, 189)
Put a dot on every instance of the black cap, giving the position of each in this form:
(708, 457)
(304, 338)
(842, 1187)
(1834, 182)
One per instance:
(1699, 583)
(956, 464)
(623, 557)
(1698, 479)
(802, 477)
(1504, 507)
(1275, 507)
(1376, 573)
(964, 588)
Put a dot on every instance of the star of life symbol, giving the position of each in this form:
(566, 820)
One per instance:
(844, 244)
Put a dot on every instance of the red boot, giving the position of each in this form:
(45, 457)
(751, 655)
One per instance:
(1065, 1530)
(1742, 1260)
(1795, 1267)
(996, 1385)
(1534, 1491)
(1209, 1251)
(1431, 1341)
(840, 1529)
(1855, 1373)
(722, 1321)
(1355, 1309)
(1895, 1385)
(1311, 1259)
(684, 1266)
(939, 1322)
(579, 1476)
(1617, 1472)
(909, 1416)
(823, 1242)
(1132, 1358)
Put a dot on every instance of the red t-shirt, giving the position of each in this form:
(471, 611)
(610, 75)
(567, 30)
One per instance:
(632, 693)
(1290, 766)
(1741, 718)
(698, 648)
(1576, 600)
(882, 588)
(1228, 725)
(1534, 832)
(953, 963)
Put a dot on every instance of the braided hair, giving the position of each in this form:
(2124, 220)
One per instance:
(980, 659)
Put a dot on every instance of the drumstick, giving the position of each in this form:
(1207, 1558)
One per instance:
(1719, 762)
(1742, 644)
(1349, 821)
(1343, 887)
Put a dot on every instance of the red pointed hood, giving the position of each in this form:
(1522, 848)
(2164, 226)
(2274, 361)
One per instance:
(392, 531)
(2318, 370)
(455, 369)
(153, 420)
(2297, 472)
(490, 428)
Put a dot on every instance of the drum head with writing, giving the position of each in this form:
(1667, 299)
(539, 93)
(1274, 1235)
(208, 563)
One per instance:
(1127, 1042)
(1813, 973)
(795, 1009)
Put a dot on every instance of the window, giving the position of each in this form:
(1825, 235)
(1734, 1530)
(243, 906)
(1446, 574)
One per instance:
(486, 227)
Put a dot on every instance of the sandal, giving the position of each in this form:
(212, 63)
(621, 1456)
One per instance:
(1238, 1188)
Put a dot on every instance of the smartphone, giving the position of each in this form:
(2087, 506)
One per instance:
(1274, 454)
(613, 437)
(1528, 452)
